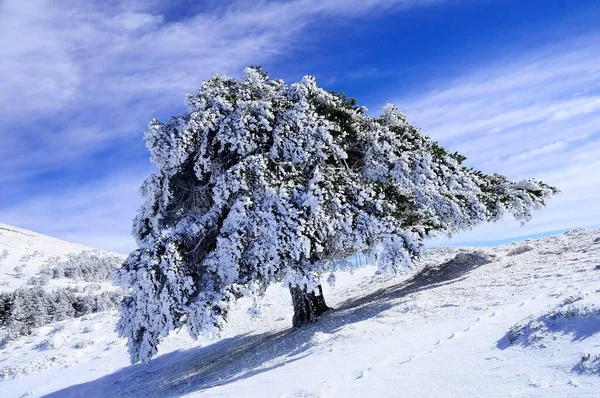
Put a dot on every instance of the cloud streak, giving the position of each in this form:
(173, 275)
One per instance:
(107, 68)
(537, 115)
(83, 78)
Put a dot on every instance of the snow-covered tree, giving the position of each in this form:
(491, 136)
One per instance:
(261, 182)
(25, 309)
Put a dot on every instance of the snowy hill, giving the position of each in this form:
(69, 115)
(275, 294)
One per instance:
(516, 320)
(24, 253)
(44, 280)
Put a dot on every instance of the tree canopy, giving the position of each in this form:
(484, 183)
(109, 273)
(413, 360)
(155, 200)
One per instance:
(262, 182)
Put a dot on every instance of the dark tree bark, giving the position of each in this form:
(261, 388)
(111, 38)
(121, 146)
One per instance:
(308, 306)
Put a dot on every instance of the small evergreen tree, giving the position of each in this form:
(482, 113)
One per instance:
(261, 182)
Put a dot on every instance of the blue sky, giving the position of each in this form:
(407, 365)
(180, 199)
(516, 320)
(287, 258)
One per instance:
(514, 85)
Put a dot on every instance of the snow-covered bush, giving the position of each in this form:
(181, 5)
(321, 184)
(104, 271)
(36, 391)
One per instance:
(26, 257)
(56, 329)
(93, 287)
(589, 364)
(83, 343)
(46, 344)
(262, 182)
(18, 270)
(519, 250)
(39, 280)
(577, 315)
(453, 268)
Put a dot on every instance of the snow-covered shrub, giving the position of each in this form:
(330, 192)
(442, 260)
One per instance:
(26, 257)
(87, 329)
(525, 328)
(576, 231)
(52, 268)
(8, 372)
(262, 182)
(38, 280)
(46, 344)
(3, 254)
(476, 258)
(56, 329)
(454, 268)
(83, 343)
(18, 271)
(571, 299)
(93, 287)
(577, 315)
(519, 250)
(589, 364)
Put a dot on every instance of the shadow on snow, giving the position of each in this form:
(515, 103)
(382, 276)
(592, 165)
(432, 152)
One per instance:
(228, 360)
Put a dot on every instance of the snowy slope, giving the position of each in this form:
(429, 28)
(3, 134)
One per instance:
(518, 320)
(28, 252)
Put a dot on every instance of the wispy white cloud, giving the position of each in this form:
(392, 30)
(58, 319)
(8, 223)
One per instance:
(79, 78)
(58, 53)
(536, 115)
(108, 67)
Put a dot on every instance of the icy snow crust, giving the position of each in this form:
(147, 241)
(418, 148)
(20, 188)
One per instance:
(469, 322)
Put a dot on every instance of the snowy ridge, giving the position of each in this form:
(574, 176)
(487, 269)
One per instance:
(515, 320)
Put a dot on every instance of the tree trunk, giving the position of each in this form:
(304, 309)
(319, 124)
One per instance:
(308, 306)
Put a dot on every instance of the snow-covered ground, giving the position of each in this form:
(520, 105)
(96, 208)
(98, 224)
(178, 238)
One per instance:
(520, 320)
